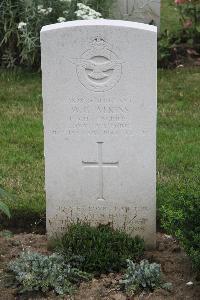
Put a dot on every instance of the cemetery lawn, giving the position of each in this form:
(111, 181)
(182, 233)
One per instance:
(21, 143)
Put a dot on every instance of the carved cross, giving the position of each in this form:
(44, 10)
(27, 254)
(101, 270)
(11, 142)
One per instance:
(100, 164)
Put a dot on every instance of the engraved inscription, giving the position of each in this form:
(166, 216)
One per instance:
(100, 164)
(99, 68)
(99, 116)
(94, 116)
(132, 219)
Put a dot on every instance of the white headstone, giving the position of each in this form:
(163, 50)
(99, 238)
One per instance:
(143, 11)
(99, 92)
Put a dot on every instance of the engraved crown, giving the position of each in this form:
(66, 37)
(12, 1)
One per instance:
(98, 42)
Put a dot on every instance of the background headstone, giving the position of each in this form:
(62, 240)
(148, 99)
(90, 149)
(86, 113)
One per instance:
(143, 11)
(99, 92)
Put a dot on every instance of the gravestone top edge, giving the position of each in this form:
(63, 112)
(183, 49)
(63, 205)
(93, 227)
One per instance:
(100, 22)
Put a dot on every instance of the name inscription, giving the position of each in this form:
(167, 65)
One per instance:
(98, 116)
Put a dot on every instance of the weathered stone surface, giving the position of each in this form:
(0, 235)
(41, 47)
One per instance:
(99, 92)
(143, 11)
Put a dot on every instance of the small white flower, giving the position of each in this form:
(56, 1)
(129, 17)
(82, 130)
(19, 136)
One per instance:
(65, 12)
(90, 17)
(189, 283)
(21, 25)
(86, 13)
(49, 9)
(61, 19)
(78, 13)
(44, 11)
(167, 236)
(40, 7)
(81, 5)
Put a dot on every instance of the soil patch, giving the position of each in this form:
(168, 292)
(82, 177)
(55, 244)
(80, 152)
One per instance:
(176, 268)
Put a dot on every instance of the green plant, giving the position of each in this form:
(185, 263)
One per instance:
(6, 233)
(102, 249)
(175, 42)
(180, 218)
(37, 272)
(22, 20)
(143, 276)
(166, 49)
(3, 207)
(189, 16)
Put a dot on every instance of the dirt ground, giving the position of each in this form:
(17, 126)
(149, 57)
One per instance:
(175, 266)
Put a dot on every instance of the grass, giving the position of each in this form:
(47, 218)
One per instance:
(21, 143)
(178, 143)
(21, 134)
